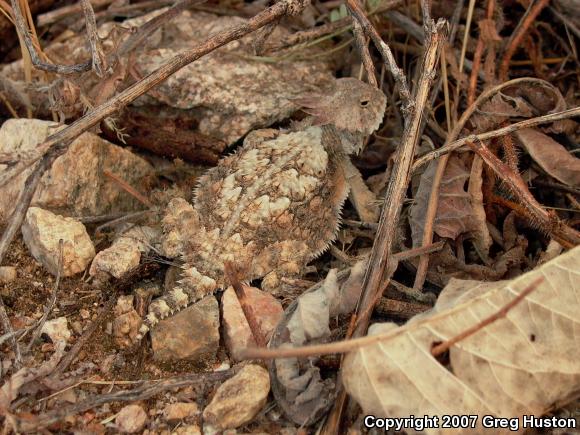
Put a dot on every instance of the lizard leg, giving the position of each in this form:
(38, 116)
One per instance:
(360, 195)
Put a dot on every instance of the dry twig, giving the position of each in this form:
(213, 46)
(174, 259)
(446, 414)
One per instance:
(52, 301)
(502, 312)
(24, 34)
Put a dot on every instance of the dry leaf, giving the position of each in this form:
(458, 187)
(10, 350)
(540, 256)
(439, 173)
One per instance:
(521, 100)
(520, 365)
(296, 384)
(458, 211)
(551, 156)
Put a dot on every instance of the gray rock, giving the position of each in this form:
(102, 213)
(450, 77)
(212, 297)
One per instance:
(239, 399)
(75, 184)
(192, 334)
(42, 231)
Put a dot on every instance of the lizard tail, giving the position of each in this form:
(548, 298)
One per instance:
(163, 307)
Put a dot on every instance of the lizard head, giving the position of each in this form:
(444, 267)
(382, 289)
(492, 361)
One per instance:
(352, 106)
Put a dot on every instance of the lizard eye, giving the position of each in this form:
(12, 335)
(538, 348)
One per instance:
(364, 103)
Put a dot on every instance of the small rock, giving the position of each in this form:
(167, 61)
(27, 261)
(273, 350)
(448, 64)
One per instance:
(239, 399)
(131, 419)
(42, 230)
(124, 254)
(175, 412)
(191, 429)
(192, 334)
(267, 310)
(127, 322)
(7, 274)
(77, 327)
(75, 183)
(57, 329)
(85, 314)
(124, 304)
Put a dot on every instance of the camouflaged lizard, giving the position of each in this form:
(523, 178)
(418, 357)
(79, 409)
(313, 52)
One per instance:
(273, 205)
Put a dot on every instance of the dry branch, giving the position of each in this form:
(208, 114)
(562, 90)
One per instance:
(396, 190)
(144, 392)
(538, 217)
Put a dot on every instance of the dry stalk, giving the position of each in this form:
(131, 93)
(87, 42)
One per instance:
(362, 44)
(396, 190)
(352, 345)
(532, 122)
(516, 38)
(233, 277)
(546, 221)
(144, 392)
(398, 74)
(52, 301)
(66, 11)
(129, 189)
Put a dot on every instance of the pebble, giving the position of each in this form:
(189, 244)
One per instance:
(238, 400)
(57, 329)
(42, 231)
(124, 254)
(237, 334)
(7, 274)
(175, 412)
(192, 334)
(131, 419)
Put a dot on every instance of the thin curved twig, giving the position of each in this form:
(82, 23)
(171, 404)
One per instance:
(38, 63)
(527, 123)
(516, 38)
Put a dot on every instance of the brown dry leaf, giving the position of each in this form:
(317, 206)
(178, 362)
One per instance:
(459, 210)
(551, 156)
(521, 100)
(521, 364)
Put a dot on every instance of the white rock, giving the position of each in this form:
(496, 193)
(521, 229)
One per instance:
(124, 254)
(131, 419)
(126, 323)
(7, 274)
(42, 231)
(239, 399)
(75, 185)
(57, 329)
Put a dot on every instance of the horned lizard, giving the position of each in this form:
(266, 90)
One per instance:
(275, 204)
